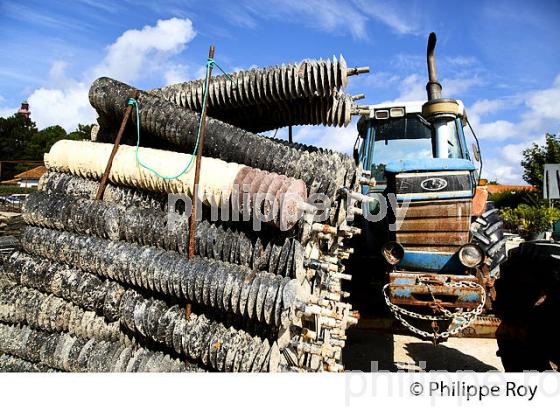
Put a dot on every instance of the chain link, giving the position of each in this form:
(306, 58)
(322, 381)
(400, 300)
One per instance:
(466, 317)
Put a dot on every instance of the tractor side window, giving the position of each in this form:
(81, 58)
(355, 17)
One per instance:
(398, 139)
(471, 149)
(470, 143)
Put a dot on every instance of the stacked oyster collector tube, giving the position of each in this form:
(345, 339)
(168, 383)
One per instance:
(306, 93)
(104, 285)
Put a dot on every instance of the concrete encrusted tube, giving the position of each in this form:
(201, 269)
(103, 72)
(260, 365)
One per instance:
(19, 304)
(197, 338)
(221, 184)
(332, 110)
(76, 186)
(266, 98)
(13, 364)
(60, 183)
(260, 85)
(268, 298)
(322, 171)
(169, 231)
(68, 353)
(81, 288)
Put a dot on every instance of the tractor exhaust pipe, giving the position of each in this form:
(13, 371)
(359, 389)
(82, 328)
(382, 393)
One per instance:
(433, 87)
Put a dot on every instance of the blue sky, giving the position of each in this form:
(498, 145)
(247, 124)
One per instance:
(502, 58)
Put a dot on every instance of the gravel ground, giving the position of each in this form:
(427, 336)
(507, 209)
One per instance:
(368, 350)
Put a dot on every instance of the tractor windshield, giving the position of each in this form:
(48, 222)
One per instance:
(396, 139)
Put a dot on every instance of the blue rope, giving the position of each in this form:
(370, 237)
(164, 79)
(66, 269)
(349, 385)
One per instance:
(133, 102)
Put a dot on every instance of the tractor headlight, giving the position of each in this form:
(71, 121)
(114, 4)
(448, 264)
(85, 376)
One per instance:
(393, 252)
(381, 114)
(471, 255)
(397, 112)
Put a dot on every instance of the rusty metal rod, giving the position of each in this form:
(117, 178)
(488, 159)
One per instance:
(103, 183)
(192, 225)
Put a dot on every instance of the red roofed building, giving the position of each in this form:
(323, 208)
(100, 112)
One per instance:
(27, 179)
(494, 189)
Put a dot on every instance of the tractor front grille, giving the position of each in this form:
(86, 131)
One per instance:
(435, 226)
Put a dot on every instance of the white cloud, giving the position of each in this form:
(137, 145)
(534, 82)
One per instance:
(57, 73)
(66, 107)
(541, 112)
(513, 153)
(177, 73)
(499, 130)
(136, 51)
(7, 111)
(546, 103)
(339, 139)
(375, 80)
(497, 170)
(484, 107)
(411, 88)
(456, 87)
(136, 54)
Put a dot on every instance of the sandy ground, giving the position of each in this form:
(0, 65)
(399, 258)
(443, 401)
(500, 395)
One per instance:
(368, 350)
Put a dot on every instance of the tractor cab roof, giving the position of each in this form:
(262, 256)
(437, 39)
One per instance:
(402, 108)
(398, 109)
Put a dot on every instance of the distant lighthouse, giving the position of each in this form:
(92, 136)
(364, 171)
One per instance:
(24, 109)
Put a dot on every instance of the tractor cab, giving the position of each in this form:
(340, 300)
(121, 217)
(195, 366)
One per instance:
(397, 134)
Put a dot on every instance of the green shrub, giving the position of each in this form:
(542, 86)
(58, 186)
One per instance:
(14, 189)
(512, 199)
(529, 219)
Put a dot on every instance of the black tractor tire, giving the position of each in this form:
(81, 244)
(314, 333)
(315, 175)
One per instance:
(528, 303)
(487, 232)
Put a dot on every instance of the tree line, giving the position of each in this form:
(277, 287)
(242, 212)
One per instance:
(21, 140)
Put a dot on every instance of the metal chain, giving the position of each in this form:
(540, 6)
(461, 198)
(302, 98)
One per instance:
(466, 317)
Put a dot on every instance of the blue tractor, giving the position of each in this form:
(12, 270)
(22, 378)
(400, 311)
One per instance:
(426, 213)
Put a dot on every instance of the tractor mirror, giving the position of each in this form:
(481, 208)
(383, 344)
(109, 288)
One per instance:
(476, 153)
(356, 150)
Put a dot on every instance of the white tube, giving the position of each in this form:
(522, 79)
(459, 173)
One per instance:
(89, 159)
